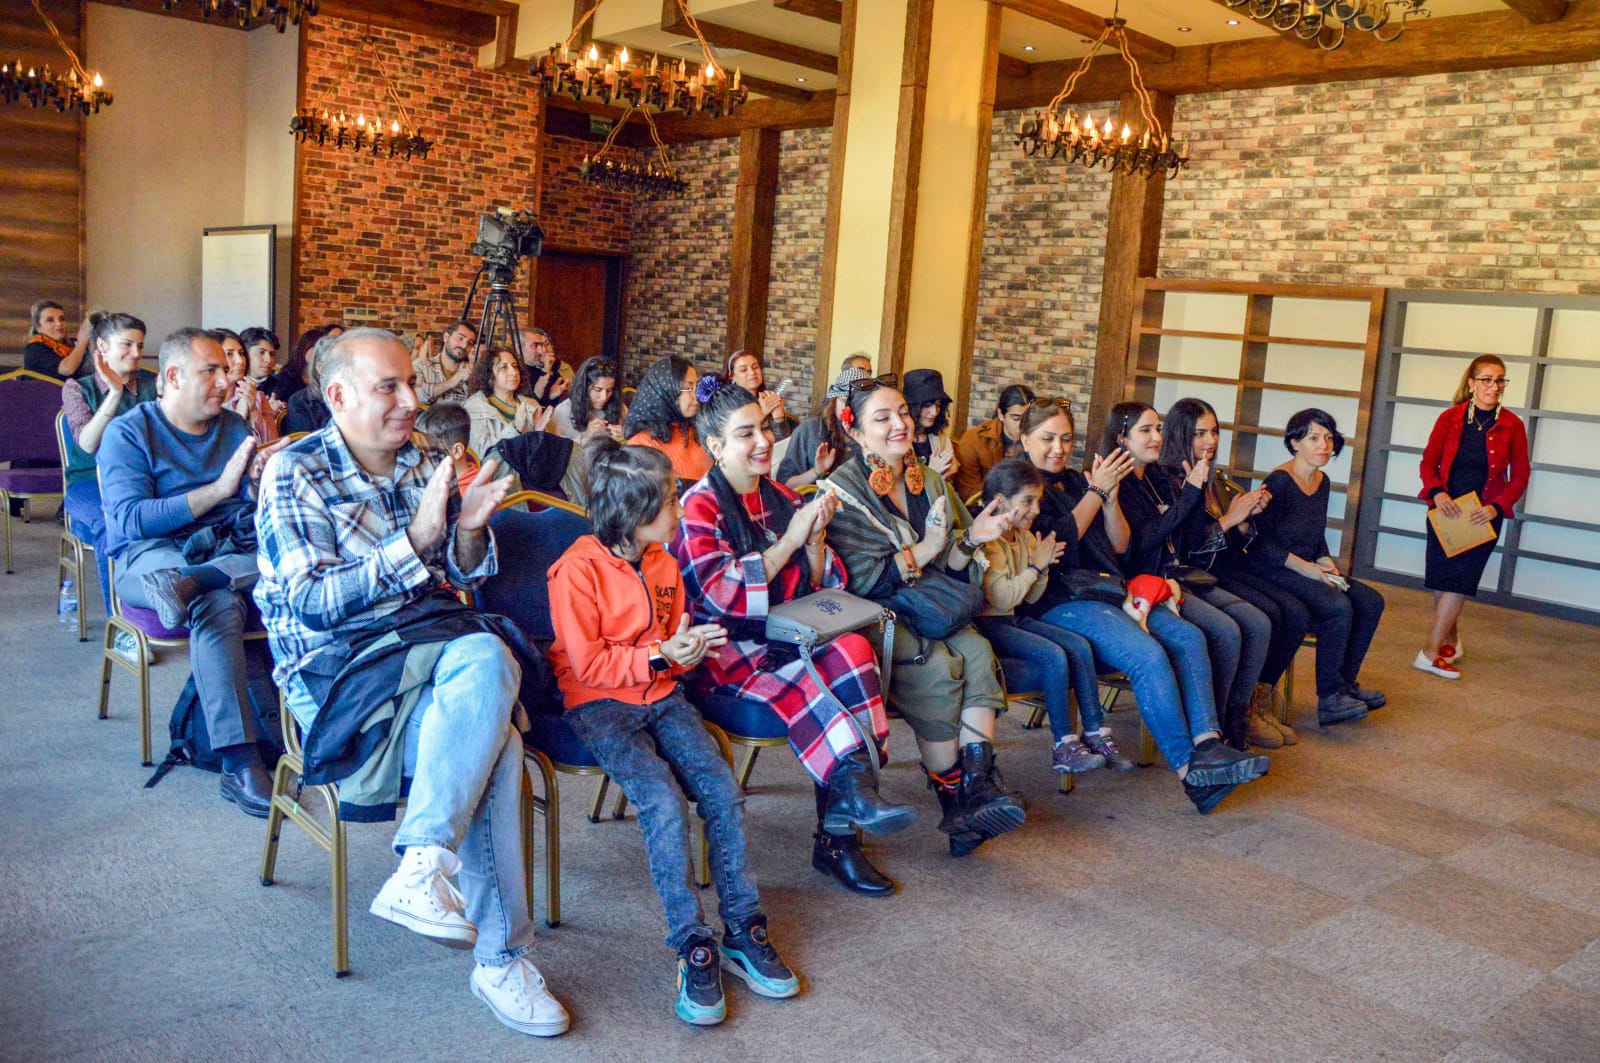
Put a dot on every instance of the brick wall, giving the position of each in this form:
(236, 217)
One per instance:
(1482, 180)
(392, 235)
(799, 217)
(678, 273)
(576, 215)
(1039, 291)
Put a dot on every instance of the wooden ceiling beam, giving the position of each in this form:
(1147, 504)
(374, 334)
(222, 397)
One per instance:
(827, 10)
(1012, 67)
(1538, 11)
(1492, 40)
(1076, 20)
(672, 21)
(1284, 34)
(778, 89)
(473, 28)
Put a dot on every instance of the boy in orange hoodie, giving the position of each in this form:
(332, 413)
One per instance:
(623, 637)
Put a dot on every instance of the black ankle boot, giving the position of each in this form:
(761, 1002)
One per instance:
(954, 821)
(840, 855)
(853, 801)
(989, 809)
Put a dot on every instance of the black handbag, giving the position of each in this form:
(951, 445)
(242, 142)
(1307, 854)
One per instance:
(1193, 579)
(1089, 585)
(937, 605)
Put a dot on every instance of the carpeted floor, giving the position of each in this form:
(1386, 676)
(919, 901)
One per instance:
(1424, 885)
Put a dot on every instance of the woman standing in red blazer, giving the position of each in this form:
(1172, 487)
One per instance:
(1476, 445)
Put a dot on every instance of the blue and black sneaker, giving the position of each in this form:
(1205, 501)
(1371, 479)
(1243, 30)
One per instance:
(748, 955)
(700, 999)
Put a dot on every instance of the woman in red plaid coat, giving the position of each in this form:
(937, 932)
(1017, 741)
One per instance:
(746, 543)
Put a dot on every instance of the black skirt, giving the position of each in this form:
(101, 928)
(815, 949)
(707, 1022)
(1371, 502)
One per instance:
(1462, 573)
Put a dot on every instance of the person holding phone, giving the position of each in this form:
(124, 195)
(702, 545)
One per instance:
(1476, 446)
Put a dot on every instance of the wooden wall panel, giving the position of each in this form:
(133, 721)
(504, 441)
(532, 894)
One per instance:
(41, 183)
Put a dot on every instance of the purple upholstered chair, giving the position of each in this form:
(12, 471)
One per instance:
(28, 406)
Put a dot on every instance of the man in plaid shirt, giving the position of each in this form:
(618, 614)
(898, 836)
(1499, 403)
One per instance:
(356, 524)
(443, 378)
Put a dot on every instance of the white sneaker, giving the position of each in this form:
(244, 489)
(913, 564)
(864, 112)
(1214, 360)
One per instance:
(419, 896)
(1435, 666)
(517, 995)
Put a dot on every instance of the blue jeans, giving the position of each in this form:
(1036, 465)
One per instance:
(87, 520)
(1121, 645)
(465, 765)
(1190, 658)
(658, 754)
(1059, 657)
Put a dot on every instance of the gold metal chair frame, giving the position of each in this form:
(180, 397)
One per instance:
(539, 498)
(1112, 687)
(1286, 708)
(69, 559)
(138, 666)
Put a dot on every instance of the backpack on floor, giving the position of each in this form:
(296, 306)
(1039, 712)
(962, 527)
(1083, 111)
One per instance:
(190, 744)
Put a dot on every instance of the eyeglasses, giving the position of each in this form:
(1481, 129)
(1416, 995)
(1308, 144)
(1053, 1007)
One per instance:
(1496, 381)
(872, 383)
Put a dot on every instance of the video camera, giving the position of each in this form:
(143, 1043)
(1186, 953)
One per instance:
(508, 236)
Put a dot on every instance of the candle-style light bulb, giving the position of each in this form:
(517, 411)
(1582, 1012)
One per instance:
(711, 72)
(394, 127)
(594, 54)
(1088, 123)
(97, 82)
(361, 120)
(622, 57)
(1108, 126)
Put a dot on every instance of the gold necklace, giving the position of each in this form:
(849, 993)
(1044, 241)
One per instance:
(1484, 426)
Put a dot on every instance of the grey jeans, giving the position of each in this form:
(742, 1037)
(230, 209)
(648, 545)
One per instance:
(216, 636)
(657, 754)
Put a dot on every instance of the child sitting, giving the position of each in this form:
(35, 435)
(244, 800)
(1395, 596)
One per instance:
(617, 656)
(1017, 570)
(448, 428)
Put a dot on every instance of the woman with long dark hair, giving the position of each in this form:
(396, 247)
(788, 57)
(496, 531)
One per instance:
(1477, 445)
(595, 404)
(746, 369)
(987, 444)
(1235, 631)
(930, 404)
(1173, 690)
(1213, 536)
(1291, 551)
(898, 524)
(821, 442)
(296, 372)
(662, 417)
(747, 543)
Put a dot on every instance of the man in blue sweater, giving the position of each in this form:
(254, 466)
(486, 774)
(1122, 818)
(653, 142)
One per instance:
(180, 525)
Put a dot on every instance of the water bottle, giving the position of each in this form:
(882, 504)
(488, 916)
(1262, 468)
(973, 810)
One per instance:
(67, 605)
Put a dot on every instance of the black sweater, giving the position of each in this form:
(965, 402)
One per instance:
(1152, 529)
(1293, 523)
(1092, 551)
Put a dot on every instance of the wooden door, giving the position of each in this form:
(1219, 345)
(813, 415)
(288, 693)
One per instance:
(578, 300)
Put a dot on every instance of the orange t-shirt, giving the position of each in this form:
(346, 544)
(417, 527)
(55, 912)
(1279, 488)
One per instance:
(689, 459)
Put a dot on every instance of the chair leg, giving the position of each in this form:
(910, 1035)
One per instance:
(749, 765)
(599, 798)
(83, 614)
(1147, 746)
(1287, 708)
(105, 669)
(525, 817)
(341, 886)
(280, 792)
(620, 809)
(5, 515)
(552, 846)
(145, 757)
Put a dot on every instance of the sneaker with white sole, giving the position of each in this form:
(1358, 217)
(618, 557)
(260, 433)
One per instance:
(1070, 756)
(1435, 666)
(517, 995)
(419, 897)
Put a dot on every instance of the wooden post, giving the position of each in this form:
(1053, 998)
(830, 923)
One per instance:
(751, 269)
(1133, 244)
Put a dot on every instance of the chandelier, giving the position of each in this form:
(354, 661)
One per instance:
(73, 89)
(1325, 21)
(1147, 150)
(245, 13)
(625, 78)
(649, 180)
(375, 135)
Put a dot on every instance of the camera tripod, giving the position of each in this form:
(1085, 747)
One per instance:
(499, 311)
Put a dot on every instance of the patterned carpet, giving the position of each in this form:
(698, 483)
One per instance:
(1421, 886)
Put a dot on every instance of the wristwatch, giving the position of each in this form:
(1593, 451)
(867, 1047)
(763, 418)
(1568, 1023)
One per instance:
(966, 545)
(658, 660)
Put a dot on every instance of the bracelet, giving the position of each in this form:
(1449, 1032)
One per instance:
(1036, 569)
(966, 545)
(913, 570)
(1104, 497)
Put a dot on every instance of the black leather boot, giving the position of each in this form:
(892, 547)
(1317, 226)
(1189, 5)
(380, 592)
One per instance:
(854, 802)
(954, 822)
(840, 855)
(991, 811)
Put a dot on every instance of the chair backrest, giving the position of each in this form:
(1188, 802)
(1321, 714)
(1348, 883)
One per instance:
(28, 407)
(543, 501)
(527, 545)
(61, 436)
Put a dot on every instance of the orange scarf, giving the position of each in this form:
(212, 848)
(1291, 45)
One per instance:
(62, 350)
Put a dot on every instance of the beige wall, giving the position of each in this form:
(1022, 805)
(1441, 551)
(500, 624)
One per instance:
(188, 144)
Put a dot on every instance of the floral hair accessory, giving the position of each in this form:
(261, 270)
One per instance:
(709, 385)
(847, 417)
